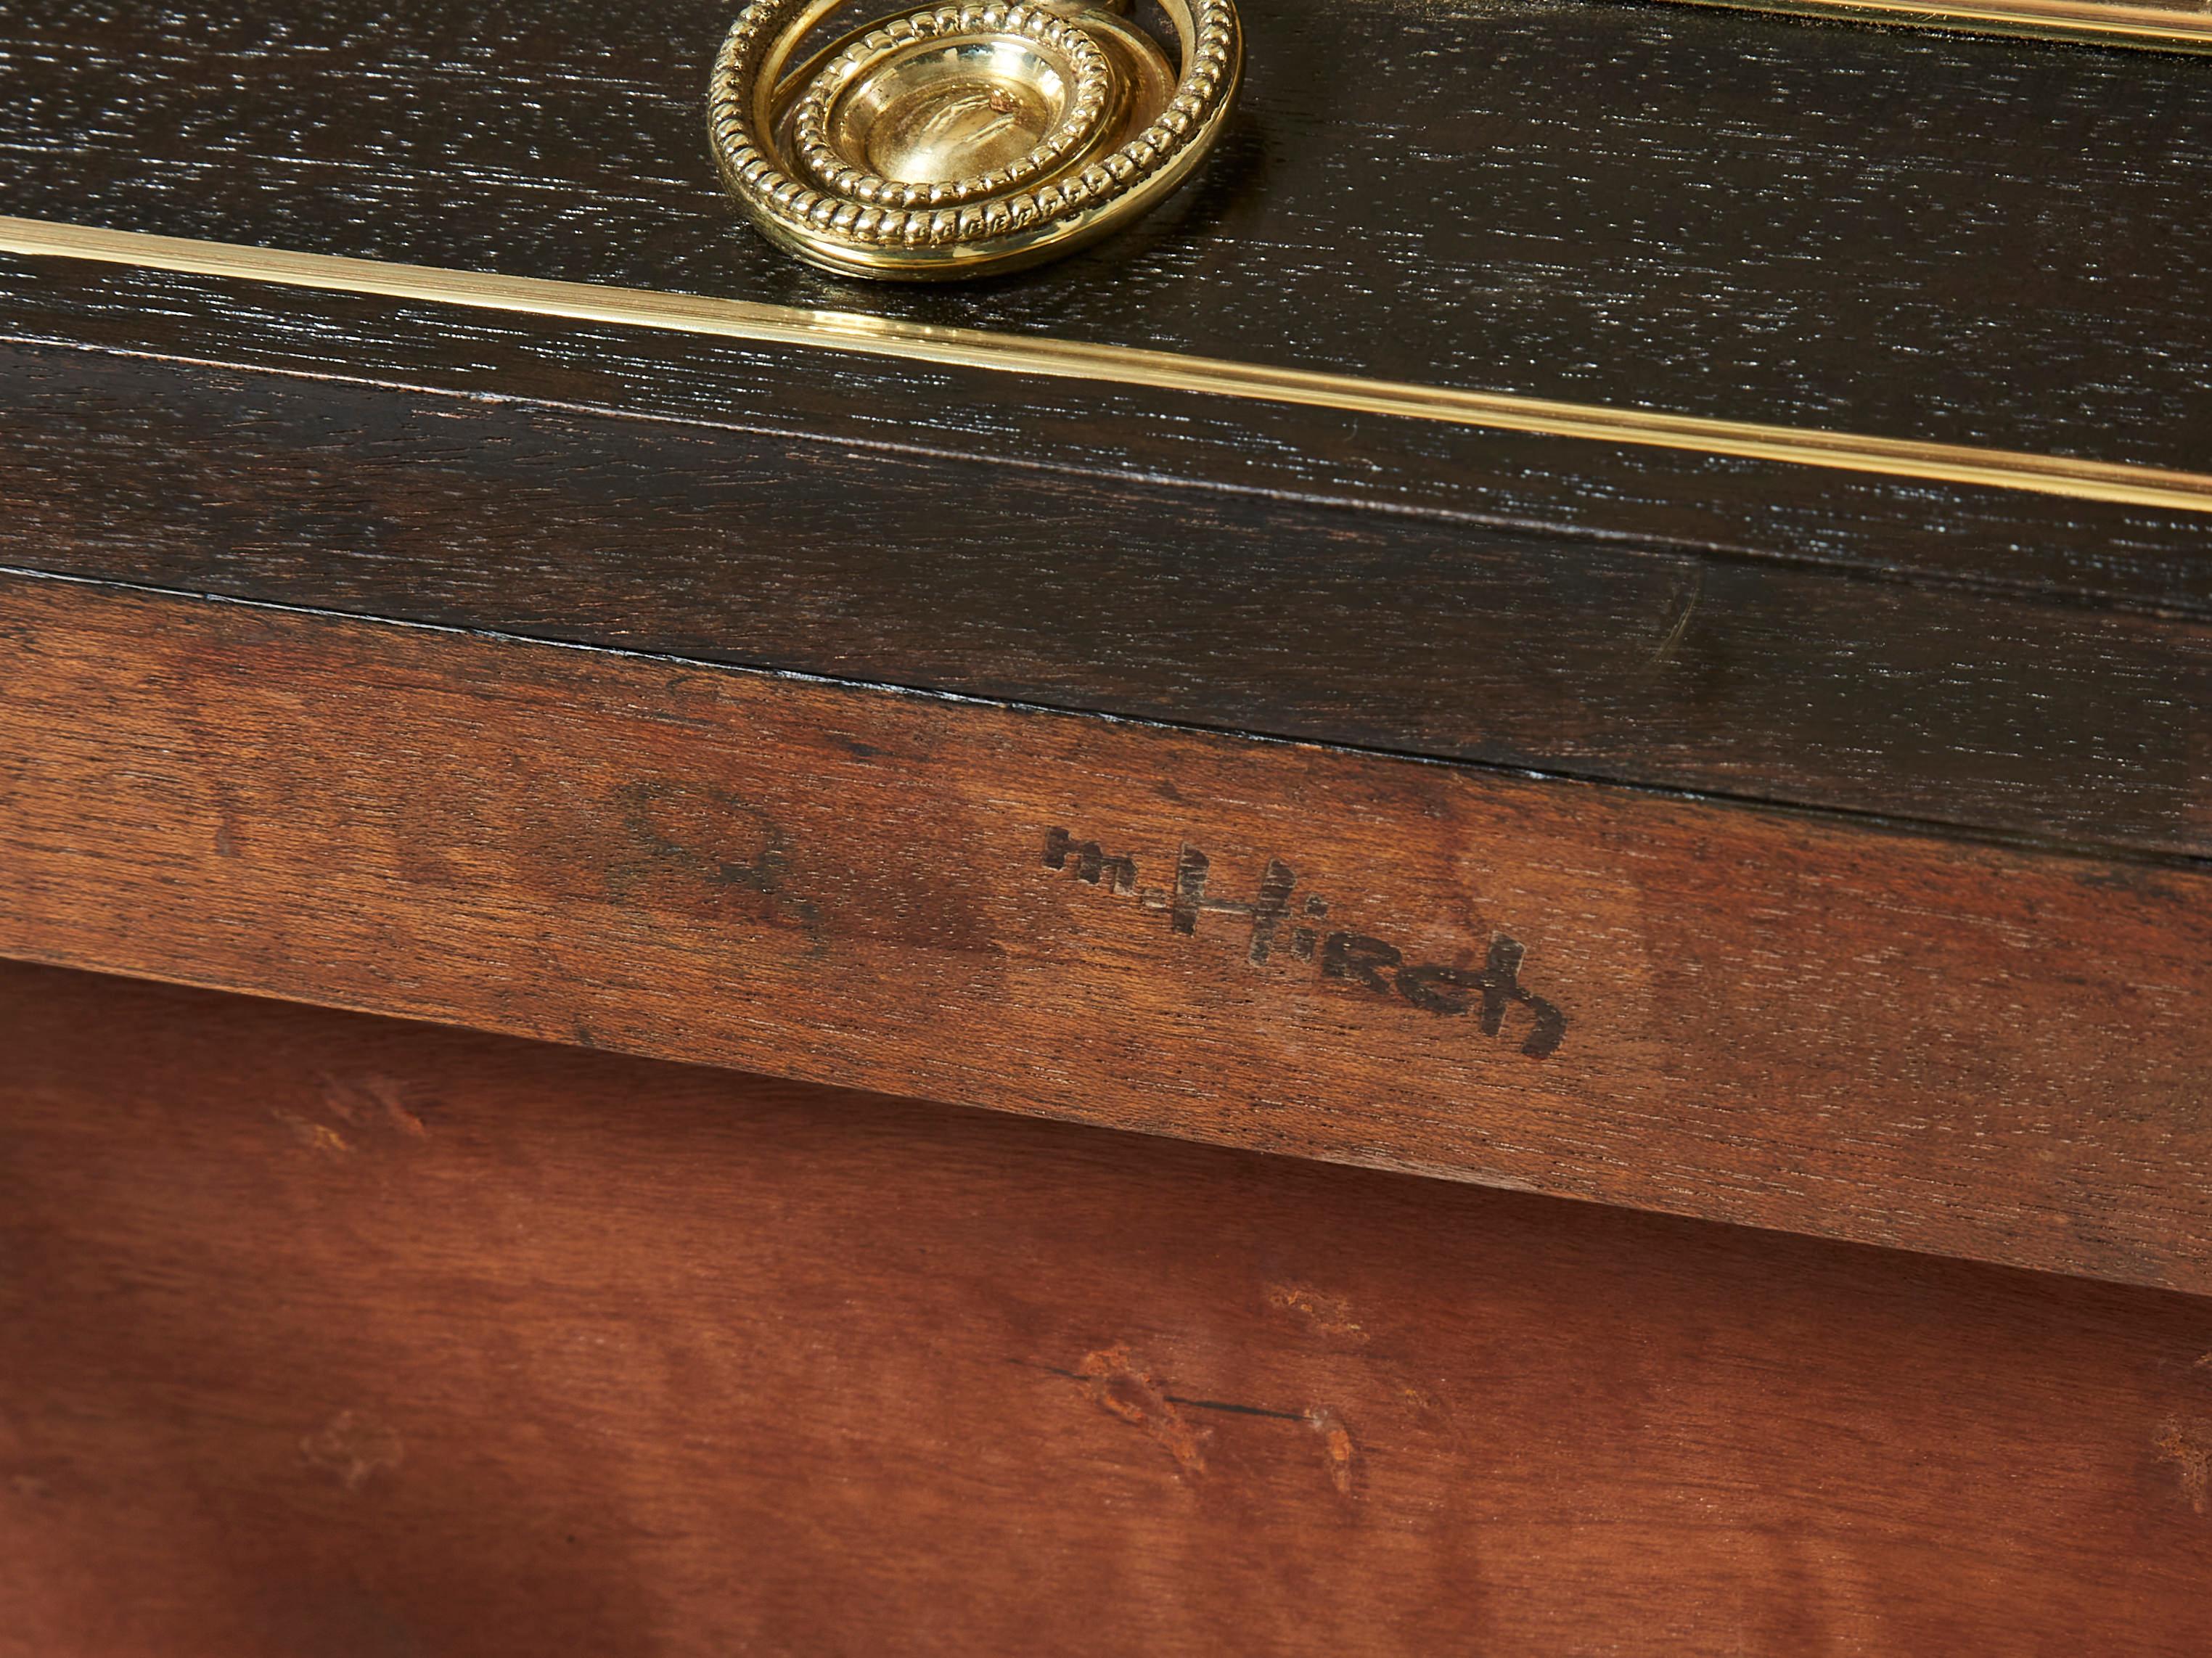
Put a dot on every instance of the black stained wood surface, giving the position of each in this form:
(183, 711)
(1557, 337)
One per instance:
(1713, 213)
(1734, 677)
(1992, 540)
(1718, 214)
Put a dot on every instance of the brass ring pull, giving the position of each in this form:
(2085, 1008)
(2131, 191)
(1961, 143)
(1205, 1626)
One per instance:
(958, 139)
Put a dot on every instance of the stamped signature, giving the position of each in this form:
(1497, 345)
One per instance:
(1280, 921)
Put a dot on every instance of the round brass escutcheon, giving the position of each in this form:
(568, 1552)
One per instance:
(961, 139)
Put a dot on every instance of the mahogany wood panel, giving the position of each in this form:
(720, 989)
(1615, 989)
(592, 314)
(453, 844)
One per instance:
(1753, 679)
(327, 1335)
(1736, 1014)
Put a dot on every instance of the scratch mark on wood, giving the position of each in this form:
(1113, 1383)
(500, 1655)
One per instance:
(2188, 1446)
(1120, 1386)
(230, 818)
(1227, 1406)
(1663, 651)
(1326, 1315)
(352, 1448)
(313, 1136)
(372, 1102)
(1339, 1448)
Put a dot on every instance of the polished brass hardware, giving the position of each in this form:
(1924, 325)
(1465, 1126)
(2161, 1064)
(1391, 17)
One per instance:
(960, 139)
(755, 323)
(2175, 25)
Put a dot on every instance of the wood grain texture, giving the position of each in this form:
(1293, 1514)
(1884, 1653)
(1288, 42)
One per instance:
(1735, 1014)
(2008, 665)
(1749, 679)
(1586, 493)
(339, 1336)
(1734, 216)
(1721, 215)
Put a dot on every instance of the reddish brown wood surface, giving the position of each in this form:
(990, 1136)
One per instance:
(324, 1336)
(1738, 1015)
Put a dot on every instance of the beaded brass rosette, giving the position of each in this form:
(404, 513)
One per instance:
(961, 139)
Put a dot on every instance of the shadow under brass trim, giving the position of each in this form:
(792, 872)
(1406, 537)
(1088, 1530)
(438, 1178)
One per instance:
(2086, 23)
(1022, 354)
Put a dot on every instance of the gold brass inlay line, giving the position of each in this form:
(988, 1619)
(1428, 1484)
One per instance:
(1019, 354)
(2090, 22)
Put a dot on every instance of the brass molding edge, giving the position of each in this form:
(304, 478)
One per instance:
(2082, 22)
(756, 322)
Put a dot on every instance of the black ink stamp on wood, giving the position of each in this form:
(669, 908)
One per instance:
(1120, 874)
(1491, 992)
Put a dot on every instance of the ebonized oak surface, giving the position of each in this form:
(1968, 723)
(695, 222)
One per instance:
(1711, 213)
(337, 1336)
(1580, 491)
(1725, 213)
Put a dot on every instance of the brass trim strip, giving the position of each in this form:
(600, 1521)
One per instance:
(2091, 22)
(1020, 354)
